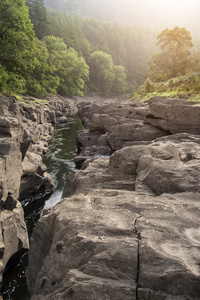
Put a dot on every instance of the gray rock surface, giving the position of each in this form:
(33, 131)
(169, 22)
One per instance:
(108, 243)
(25, 128)
(13, 234)
(135, 130)
(34, 176)
(174, 115)
(127, 226)
(116, 123)
(161, 167)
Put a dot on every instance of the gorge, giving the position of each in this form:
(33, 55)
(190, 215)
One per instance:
(27, 124)
(127, 226)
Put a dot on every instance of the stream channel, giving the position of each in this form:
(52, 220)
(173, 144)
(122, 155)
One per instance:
(59, 162)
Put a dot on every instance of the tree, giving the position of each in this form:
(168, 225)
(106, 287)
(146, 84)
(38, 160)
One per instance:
(41, 79)
(174, 58)
(119, 84)
(71, 69)
(11, 82)
(16, 35)
(101, 71)
(38, 16)
(195, 61)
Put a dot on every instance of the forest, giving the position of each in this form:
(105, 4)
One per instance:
(44, 51)
(51, 51)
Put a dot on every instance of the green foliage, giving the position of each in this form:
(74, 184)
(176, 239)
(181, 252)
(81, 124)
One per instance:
(148, 85)
(119, 84)
(28, 65)
(71, 69)
(31, 62)
(38, 16)
(174, 59)
(16, 35)
(41, 79)
(130, 47)
(101, 71)
(3, 79)
(74, 74)
(10, 82)
(104, 76)
(186, 86)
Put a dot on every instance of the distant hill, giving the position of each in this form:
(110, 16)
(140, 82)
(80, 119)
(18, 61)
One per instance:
(157, 14)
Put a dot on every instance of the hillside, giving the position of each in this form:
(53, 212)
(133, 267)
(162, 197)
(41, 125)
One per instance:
(155, 14)
(181, 87)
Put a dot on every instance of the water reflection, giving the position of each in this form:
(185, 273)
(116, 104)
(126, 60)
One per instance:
(60, 159)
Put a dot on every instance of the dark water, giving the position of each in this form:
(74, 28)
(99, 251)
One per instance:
(59, 162)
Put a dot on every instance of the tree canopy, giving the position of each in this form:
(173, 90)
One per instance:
(130, 47)
(38, 16)
(16, 35)
(101, 71)
(51, 52)
(174, 58)
(71, 69)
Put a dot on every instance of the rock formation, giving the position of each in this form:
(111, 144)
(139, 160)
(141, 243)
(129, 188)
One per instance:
(25, 128)
(128, 225)
(110, 126)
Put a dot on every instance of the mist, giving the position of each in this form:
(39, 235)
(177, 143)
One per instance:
(155, 14)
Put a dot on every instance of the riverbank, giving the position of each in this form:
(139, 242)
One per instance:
(128, 225)
(26, 126)
(59, 161)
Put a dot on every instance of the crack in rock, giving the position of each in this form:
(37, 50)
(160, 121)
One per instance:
(138, 255)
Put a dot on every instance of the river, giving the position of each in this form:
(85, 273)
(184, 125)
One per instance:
(59, 162)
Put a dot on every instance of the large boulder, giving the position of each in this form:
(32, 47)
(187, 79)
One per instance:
(34, 176)
(133, 130)
(108, 243)
(174, 115)
(90, 257)
(162, 167)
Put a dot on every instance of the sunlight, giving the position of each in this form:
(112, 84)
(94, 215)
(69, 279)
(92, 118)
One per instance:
(159, 14)
(176, 5)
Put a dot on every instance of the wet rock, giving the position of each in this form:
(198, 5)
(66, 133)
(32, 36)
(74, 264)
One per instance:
(87, 138)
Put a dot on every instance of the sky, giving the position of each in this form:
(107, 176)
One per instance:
(169, 13)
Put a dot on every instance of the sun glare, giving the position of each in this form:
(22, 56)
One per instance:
(169, 13)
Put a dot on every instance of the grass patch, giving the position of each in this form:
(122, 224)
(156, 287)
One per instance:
(30, 100)
(187, 87)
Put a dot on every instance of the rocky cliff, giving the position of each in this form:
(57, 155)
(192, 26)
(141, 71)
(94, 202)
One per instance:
(128, 224)
(25, 128)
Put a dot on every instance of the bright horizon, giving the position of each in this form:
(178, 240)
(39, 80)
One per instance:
(152, 14)
(159, 14)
